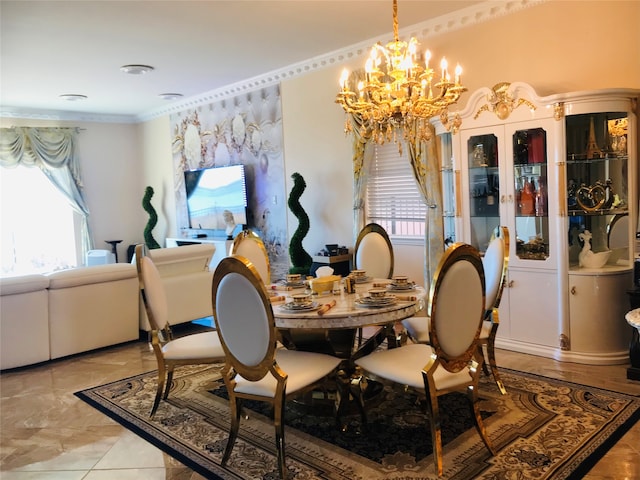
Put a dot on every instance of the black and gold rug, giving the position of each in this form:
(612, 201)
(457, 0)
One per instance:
(543, 429)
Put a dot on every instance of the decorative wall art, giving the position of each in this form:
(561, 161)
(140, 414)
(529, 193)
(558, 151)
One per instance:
(247, 130)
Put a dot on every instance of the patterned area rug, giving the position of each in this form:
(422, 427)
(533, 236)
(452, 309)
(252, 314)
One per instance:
(543, 429)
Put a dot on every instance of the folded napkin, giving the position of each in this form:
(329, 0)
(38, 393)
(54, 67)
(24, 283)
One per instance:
(326, 307)
(277, 298)
(282, 288)
(324, 271)
(406, 298)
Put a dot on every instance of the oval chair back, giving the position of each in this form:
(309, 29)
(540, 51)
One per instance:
(374, 252)
(455, 324)
(495, 263)
(249, 245)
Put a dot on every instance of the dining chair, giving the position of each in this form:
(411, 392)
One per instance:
(248, 244)
(170, 352)
(374, 252)
(453, 360)
(495, 262)
(256, 368)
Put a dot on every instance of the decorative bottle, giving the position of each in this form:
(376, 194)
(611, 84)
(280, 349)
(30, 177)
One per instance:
(527, 198)
(541, 199)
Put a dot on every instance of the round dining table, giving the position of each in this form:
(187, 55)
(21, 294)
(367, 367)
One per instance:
(334, 331)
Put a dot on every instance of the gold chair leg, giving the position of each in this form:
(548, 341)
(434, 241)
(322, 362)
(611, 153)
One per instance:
(436, 431)
(472, 394)
(160, 388)
(236, 407)
(491, 354)
(278, 413)
(169, 382)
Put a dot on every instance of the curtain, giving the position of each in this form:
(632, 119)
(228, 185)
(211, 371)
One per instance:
(425, 162)
(53, 151)
(362, 152)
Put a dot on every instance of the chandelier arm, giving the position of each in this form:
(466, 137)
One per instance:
(395, 20)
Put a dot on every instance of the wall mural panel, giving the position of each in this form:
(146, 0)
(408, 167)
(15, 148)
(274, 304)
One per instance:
(247, 130)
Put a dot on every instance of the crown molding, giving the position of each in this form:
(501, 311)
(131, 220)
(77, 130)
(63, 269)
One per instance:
(480, 13)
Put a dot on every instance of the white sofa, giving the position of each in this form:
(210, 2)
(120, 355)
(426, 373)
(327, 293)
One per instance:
(187, 281)
(24, 320)
(92, 307)
(43, 317)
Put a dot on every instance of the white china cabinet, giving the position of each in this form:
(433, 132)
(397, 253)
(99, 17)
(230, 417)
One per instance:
(520, 160)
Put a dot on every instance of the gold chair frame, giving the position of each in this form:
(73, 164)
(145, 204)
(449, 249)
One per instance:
(492, 315)
(251, 236)
(471, 358)
(160, 336)
(253, 373)
(366, 230)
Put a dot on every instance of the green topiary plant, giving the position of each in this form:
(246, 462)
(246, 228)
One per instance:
(153, 219)
(300, 259)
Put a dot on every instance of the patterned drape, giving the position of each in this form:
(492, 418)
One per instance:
(362, 151)
(53, 151)
(425, 162)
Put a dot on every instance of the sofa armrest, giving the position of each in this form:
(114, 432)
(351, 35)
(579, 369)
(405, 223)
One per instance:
(182, 260)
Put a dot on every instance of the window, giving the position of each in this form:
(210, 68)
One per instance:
(393, 199)
(37, 229)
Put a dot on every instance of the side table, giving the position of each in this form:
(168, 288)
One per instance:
(633, 372)
(341, 264)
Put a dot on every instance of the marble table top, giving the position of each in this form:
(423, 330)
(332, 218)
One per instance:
(633, 318)
(349, 313)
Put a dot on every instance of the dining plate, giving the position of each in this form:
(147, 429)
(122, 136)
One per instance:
(401, 288)
(300, 284)
(307, 307)
(363, 302)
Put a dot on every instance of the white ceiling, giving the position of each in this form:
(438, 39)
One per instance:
(49, 48)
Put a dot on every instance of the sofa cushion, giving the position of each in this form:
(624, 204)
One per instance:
(181, 260)
(23, 284)
(94, 274)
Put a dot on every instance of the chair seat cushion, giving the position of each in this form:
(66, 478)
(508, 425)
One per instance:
(404, 366)
(303, 369)
(418, 328)
(198, 345)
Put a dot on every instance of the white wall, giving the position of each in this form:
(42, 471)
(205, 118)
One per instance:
(556, 46)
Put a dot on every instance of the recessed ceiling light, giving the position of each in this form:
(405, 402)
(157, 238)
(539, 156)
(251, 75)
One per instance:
(73, 97)
(170, 96)
(136, 69)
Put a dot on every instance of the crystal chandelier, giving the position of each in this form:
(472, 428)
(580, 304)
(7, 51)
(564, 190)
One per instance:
(398, 93)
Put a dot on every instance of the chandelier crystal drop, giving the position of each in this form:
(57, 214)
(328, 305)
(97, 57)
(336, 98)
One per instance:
(399, 93)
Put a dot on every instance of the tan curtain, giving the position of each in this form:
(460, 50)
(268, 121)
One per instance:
(362, 151)
(425, 162)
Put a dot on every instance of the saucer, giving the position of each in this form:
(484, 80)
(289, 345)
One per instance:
(401, 287)
(305, 307)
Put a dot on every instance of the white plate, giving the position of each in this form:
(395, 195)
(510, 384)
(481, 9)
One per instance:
(292, 307)
(396, 287)
(361, 302)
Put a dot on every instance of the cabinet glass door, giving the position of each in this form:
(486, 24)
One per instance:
(531, 195)
(484, 188)
(597, 190)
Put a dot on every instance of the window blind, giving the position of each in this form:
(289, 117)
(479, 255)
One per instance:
(392, 197)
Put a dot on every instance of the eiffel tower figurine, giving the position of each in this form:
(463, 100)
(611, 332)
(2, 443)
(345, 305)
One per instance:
(592, 147)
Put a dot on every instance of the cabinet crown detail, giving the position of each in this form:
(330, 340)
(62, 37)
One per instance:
(502, 101)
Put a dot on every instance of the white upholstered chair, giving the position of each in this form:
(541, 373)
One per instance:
(249, 245)
(255, 367)
(453, 360)
(374, 252)
(170, 352)
(495, 262)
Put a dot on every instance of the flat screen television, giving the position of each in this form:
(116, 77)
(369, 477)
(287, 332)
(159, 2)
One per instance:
(216, 197)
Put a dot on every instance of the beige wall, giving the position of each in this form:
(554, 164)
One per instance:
(557, 46)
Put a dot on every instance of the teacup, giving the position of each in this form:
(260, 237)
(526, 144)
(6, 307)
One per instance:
(294, 278)
(301, 298)
(377, 293)
(400, 279)
(358, 273)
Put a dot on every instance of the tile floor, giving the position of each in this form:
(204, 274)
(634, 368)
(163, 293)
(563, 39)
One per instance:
(48, 434)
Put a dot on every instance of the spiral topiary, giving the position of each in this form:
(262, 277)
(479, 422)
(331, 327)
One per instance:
(153, 219)
(300, 259)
